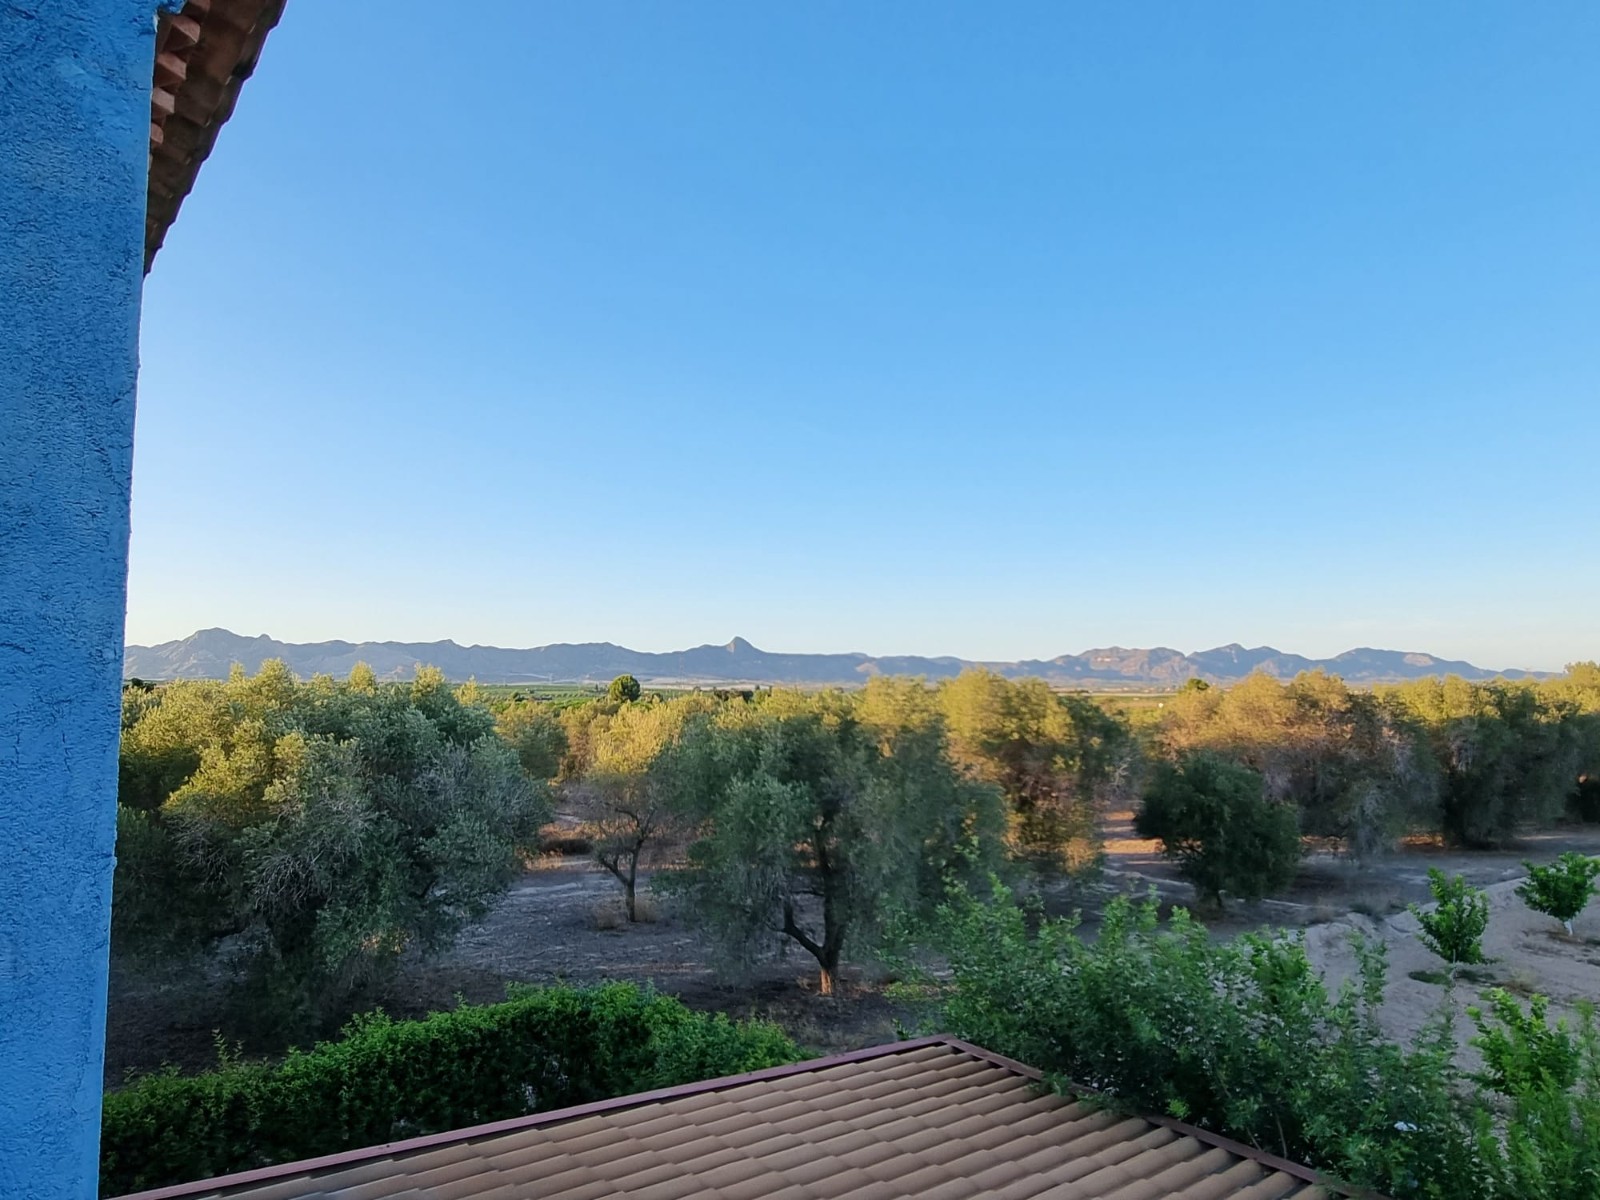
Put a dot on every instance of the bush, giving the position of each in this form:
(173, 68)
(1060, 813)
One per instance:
(1454, 929)
(1545, 1082)
(1241, 1038)
(1562, 889)
(544, 1048)
(1214, 820)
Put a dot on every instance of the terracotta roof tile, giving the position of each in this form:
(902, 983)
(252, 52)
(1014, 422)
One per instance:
(204, 53)
(934, 1118)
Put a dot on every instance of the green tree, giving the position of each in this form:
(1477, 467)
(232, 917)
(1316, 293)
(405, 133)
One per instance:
(1578, 691)
(624, 689)
(625, 795)
(1358, 769)
(1509, 754)
(1214, 820)
(1562, 889)
(1056, 758)
(818, 829)
(534, 731)
(325, 828)
(1453, 928)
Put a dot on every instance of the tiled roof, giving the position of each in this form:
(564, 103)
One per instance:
(204, 53)
(934, 1118)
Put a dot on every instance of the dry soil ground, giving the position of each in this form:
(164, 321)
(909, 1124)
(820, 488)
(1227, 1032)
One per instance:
(546, 929)
(1333, 898)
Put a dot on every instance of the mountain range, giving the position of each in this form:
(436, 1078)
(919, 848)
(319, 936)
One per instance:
(209, 653)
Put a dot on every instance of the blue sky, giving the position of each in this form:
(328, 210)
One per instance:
(903, 327)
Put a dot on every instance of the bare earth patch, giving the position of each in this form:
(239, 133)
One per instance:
(1333, 898)
(557, 924)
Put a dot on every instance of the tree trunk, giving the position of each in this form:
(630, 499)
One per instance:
(826, 954)
(628, 899)
(826, 976)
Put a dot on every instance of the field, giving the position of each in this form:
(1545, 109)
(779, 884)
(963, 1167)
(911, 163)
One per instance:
(559, 923)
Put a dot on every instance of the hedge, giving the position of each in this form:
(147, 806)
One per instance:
(543, 1048)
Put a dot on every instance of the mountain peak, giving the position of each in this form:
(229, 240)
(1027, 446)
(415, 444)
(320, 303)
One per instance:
(208, 654)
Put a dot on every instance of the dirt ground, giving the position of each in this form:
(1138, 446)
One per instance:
(559, 923)
(1332, 898)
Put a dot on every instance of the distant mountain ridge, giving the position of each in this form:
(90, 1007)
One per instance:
(209, 653)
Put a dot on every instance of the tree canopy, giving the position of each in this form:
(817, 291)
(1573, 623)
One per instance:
(624, 689)
(316, 829)
(822, 829)
(1215, 821)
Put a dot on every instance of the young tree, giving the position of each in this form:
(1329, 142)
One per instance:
(819, 829)
(624, 796)
(1454, 928)
(624, 689)
(1214, 820)
(1562, 889)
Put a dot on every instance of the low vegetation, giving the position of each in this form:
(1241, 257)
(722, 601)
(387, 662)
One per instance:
(1453, 927)
(1562, 889)
(1243, 1038)
(383, 1080)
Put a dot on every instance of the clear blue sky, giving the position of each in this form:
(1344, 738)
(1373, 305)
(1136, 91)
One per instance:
(902, 327)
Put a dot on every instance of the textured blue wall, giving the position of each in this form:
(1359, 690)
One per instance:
(74, 147)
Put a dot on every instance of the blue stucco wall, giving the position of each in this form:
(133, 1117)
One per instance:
(74, 146)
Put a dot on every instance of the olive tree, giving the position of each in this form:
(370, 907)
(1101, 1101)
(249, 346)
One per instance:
(624, 795)
(1056, 758)
(1357, 769)
(1509, 754)
(535, 733)
(325, 828)
(817, 829)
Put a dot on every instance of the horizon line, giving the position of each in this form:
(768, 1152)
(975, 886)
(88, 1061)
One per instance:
(1234, 645)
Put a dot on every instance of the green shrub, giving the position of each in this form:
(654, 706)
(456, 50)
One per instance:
(1562, 889)
(1454, 929)
(1545, 1084)
(1241, 1038)
(543, 1048)
(1215, 821)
